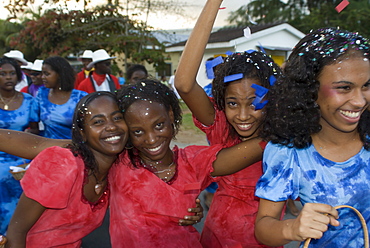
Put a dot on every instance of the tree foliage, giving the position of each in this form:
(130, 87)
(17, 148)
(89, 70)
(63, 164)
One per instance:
(61, 32)
(305, 14)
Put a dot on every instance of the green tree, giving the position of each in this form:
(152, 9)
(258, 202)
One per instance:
(7, 31)
(60, 32)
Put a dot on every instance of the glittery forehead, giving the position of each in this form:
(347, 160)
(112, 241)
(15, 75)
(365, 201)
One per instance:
(330, 42)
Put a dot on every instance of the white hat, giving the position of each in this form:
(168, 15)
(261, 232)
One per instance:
(37, 65)
(28, 66)
(18, 55)
(88, 54)
(98, 56)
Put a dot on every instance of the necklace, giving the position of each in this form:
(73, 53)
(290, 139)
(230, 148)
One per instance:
(166, 174)
(6, 105)
(99, 184)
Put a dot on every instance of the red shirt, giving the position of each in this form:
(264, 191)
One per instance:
(55, 179)
(88, 86)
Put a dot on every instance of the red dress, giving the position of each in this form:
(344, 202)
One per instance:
(144, 210)
(55, 179)
(230, 219)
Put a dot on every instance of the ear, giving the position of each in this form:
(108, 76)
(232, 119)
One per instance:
(171, 115)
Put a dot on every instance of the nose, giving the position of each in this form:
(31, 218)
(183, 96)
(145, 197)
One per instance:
(151, 138)
(111, 126)
(244, 113)
(361, 98)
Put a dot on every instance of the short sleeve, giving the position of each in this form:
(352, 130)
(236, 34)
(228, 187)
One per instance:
(280, 180)
(50, 177)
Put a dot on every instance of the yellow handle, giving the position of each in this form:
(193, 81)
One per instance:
(363, 223)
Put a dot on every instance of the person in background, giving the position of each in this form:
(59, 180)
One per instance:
(86, 59)
(14, 115)
(55, 103)
(19, 57)
(121, 78)
(317, 123)
(100, 79)
(135, 73)
(36, 76)
(164, 81)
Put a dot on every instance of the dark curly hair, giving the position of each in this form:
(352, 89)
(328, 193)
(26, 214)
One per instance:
(64, 70)
(252, 64)
(292, 114)
(78, 146)
(150, 90)
(14, 63)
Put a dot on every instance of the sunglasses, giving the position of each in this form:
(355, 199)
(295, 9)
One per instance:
(35, 74)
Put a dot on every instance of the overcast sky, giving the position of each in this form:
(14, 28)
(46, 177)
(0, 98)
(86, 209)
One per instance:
(164, 20)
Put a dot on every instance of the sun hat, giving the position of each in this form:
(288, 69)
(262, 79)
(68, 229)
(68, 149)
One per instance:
(98, 56)
(28, 66)
(88, 54)
(17, 55)
(37, 65)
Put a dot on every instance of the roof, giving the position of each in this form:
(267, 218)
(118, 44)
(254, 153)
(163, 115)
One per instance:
(231, 33)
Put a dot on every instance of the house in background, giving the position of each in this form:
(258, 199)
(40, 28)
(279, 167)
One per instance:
(277, 40)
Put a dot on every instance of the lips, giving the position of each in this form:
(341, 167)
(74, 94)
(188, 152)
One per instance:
(113, 139)
(350, 114)
(155, 150)
(244, 127)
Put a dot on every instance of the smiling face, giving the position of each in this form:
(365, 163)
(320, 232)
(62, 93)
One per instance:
(105, 130)
(151, 131)
(50, 78)
(8, 77)
(240, 111)
(344, 93)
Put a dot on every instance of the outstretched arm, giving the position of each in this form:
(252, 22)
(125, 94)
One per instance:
(26, 145)
(235, 158)
(185, 80)
(310, 223)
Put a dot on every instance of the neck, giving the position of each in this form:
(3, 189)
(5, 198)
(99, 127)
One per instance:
(8, 94)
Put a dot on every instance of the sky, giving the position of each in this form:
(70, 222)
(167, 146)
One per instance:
(163, 21)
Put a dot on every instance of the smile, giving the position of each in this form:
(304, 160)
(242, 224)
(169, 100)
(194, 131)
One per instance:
(350, 114)
(155, 148)
(113, 138)
(244, 126)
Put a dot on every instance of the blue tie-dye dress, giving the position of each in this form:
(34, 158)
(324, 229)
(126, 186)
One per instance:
(10, 189)
(290, 173)
(57, 119)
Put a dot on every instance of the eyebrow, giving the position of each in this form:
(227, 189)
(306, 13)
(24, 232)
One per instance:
(101, 115)
(247, 98)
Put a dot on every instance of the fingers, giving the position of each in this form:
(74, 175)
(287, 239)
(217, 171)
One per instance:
(313, 221)
(195, 218)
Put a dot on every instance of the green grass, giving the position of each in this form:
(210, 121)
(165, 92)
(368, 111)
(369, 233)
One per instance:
(187, 119)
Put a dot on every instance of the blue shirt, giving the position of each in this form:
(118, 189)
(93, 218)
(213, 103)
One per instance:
(57, 119)
(290, 173)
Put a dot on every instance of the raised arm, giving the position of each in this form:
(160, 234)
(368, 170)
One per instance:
(26, 145)
(185, 80)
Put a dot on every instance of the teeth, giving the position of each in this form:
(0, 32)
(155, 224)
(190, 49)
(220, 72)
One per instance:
(114, 138)
(245, 126)
(350, 114)
(154, 149)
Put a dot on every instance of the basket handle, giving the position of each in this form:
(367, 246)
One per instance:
(363, 223)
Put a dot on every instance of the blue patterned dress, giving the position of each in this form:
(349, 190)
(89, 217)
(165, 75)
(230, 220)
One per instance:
(10, 189)
(291, 173)
(57, 119)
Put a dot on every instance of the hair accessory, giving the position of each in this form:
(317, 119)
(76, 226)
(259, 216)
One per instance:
(229, 53)
(272, 80)
(250, 51)
(261, 47)
(233, 77)
(260, 94)
(212, 63)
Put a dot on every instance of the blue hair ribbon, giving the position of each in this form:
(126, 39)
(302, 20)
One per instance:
(228, 53)
(212, 63)
(260, 94)
(250, 51)
(233, 77)
(261, 47)
(272, 80)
